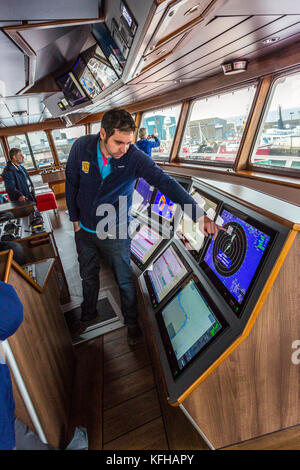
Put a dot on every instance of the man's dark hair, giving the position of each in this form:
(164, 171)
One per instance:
(14, 152)
(117, 119)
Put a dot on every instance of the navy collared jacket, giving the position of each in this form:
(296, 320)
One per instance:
(86, 190)
(16, 184)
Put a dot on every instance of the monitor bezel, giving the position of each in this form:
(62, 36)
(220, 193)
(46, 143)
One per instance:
(156, 303)
(176, 372)
(236, 307)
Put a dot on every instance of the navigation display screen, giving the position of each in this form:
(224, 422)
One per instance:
(167, 271)
(188, 323)
(234, 258)
(163, 206)
(72, 92)
(142, 195)
(144, 244)
(189, 232)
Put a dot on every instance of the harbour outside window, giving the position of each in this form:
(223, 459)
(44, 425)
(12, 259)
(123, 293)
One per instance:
(21, 141)
(215, 127)
(2, 158)
(41, 149)
(279, 132)
(162, 123)
(64, 139)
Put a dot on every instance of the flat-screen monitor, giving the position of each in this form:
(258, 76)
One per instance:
(163, 207)
(234, 260)
(189, 232)
(188, 324)
(142, 196)
(88, 82)
(167, 271)
(71, 89)
(144, 244)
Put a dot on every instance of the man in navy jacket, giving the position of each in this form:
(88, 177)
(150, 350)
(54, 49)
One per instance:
(17, 182)
(101, 169)
(11, 316)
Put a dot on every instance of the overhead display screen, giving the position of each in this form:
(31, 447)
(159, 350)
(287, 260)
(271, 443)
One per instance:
(163, 206)
(234, 259)
(142, 195)
(188, 230)
(188, 324)
(72, 90)
(167, 271)
(144, 244)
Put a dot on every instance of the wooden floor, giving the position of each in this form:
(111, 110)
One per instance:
(119, 397)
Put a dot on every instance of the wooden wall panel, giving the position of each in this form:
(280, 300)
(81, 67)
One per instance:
(43, 351)
(255, 390)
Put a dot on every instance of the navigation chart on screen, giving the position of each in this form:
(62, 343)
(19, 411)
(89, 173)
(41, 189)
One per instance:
(235, 255)
(145, 243)
(190, 323)
(167, 271)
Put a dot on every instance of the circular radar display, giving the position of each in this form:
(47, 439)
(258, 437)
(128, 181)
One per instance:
(230, 249)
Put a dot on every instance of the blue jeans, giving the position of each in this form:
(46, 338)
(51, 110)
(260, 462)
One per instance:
(117, 254)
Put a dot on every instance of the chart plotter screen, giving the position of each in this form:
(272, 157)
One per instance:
(233, 259)
(144, 243)
(167, 271)
(188, 324)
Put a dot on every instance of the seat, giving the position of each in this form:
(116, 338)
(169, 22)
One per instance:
(46, 201)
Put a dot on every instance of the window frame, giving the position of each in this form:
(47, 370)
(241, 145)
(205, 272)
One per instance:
(36, 167)
(277, 171)
(228, 89)
(178, 103)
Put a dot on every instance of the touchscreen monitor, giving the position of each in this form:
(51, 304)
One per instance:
(167, 271)
(144, 244)
(233, 261)
(189, 232)
(163, 206)
(142, 196)
(189, 323)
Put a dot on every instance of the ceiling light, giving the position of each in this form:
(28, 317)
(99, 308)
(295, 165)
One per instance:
(191, 10)
(19, 113)
(270, 40)
(235, 66)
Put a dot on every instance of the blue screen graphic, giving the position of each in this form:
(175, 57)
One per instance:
(145, 190)
(163, 206)
(235, 256)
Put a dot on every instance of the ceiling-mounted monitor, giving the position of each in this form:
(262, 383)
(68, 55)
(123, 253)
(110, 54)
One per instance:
(235, 259)
(72, 90)
(188, 324)
(112, 52)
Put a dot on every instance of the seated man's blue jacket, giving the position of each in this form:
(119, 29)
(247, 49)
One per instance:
(15, 182)
(147, 145)
(86, 190)
(11, 316)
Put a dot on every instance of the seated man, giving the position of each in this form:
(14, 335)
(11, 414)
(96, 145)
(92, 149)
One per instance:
(145, 144)
(17, 182)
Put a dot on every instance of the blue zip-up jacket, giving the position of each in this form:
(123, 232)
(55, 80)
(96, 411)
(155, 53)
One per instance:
(16, 184)
(11, 316)
(147, 145)
(86, 190)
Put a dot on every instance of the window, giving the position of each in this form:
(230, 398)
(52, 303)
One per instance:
(21, 142)
(40, 149)
(95, 127)
(162, 123)
(2, 158)
(64, 139)
(278, 141)
(215, 127)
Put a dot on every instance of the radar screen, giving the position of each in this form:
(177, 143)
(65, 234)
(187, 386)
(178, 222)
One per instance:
(188, 324)
(233, 261)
